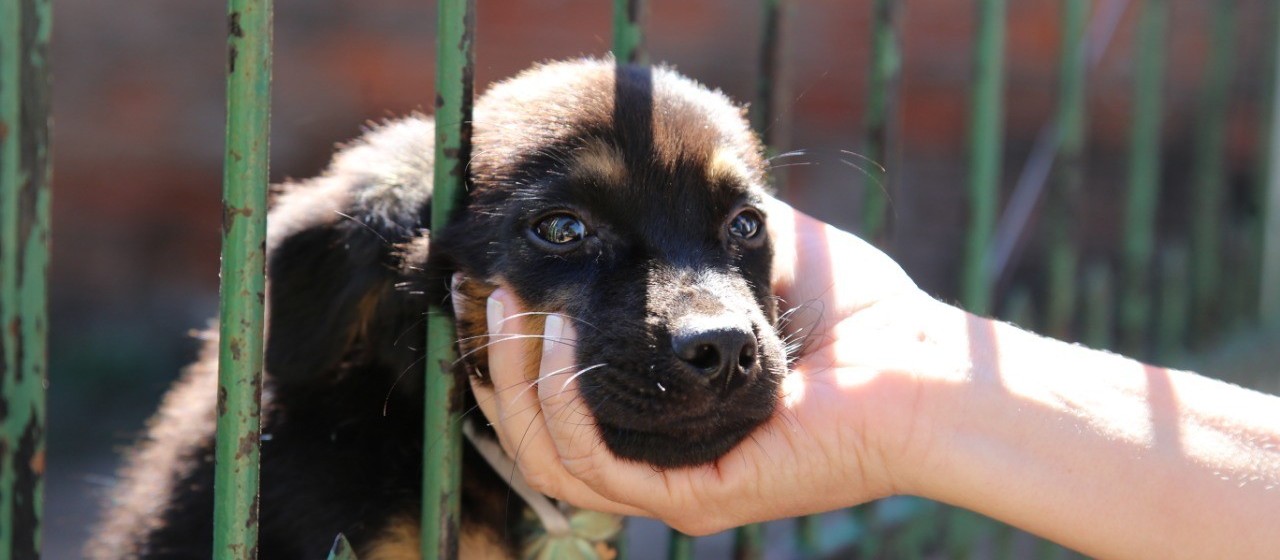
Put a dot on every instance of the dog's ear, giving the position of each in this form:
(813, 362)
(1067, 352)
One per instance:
(336, 247)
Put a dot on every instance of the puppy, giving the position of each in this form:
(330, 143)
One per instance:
(626, 198)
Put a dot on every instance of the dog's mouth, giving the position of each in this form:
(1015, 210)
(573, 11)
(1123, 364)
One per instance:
(677, 414)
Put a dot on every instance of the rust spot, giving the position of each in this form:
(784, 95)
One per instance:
(4, 130)
(37, 463)
(222, 401)
(26, 479)
(229, 214)
(233, 25)
(252, 521)
(248, 444)
(236, 347)
(232, 53)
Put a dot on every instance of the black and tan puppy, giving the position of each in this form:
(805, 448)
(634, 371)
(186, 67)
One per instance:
(626, 198)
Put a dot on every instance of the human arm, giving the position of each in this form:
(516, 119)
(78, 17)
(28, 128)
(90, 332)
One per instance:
(911, 396)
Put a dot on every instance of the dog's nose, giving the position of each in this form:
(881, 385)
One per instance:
(718, 352)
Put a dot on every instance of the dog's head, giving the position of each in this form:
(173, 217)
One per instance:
(629, 200)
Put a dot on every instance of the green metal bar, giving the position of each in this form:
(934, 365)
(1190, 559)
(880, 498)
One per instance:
(748, 542)
(764, 112)
(1069, 173)
(1144, 178)
(1269, 282)
(25, 174)
(442, 445)
(1099, 299)
(1175, 299)
(882, 95)
(244, 227)
(628, 31)
(985, 145)
(680, 547)
(807, 536)
(1208, 172)
(1019, 308)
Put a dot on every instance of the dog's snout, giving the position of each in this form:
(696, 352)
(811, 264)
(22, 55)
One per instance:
(718, 351)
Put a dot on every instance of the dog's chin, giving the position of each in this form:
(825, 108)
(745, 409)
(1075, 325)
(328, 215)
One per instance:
(686, 443)
(665, 450)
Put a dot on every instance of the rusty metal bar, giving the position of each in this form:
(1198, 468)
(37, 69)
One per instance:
(1269, 286)
(986, 142)
(1068, 180)
(881, 118)
(25, 174)
(1144, 179)
(628, 31)
(244, 228)
(442, 444)
(763, 112)
(1209, 183)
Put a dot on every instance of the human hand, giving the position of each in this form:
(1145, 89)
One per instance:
(837, 439)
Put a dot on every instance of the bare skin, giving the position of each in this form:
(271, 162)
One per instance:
(907, 395)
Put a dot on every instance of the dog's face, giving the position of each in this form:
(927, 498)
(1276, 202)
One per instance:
(628, 200)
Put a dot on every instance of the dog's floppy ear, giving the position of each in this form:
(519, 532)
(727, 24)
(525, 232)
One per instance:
(335, 247)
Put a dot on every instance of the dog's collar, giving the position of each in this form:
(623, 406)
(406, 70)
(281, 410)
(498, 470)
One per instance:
(563, 528)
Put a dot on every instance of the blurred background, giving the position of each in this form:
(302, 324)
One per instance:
(138, 143)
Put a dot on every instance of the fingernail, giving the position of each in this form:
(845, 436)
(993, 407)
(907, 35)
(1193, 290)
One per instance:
(551, 333)
(495, 312)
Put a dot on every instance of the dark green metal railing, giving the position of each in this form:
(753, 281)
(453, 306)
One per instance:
(25, 173)
(881, 120)
(1063, 206)
(1208, 173)
(244, 229)
(442, 445)
(1268, 197)
(985, 144)
(1083, 297)
(1144, 178)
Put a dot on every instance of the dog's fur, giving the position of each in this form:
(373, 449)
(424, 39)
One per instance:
(653, 165)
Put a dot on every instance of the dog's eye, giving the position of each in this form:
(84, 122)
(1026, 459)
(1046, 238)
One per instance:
(746, 225)
(561, 229)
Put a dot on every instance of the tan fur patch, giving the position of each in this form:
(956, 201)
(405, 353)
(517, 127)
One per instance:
(470, 299)
(600, 161)
(400, 541)
(725, 166)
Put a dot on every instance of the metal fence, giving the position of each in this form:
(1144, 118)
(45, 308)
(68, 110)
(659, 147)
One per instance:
(1079, 300)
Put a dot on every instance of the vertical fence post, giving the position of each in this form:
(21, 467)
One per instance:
(24, 258)
(764, 112)
(1099, 299)
(881, 118)
(985, 145)
(766, 119)
(1174, 317)
(1269, 284)
(244, 227)
(628, 31)
(1144, 177)
(1069, 176)
(442, 445)
(1209, 176)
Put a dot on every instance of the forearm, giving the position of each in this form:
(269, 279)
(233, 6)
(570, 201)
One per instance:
(1096, 451)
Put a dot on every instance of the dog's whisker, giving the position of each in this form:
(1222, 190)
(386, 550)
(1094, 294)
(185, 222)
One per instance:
(505, 337)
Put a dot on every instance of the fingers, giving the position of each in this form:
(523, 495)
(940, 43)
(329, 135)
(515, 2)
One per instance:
(515, 410)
